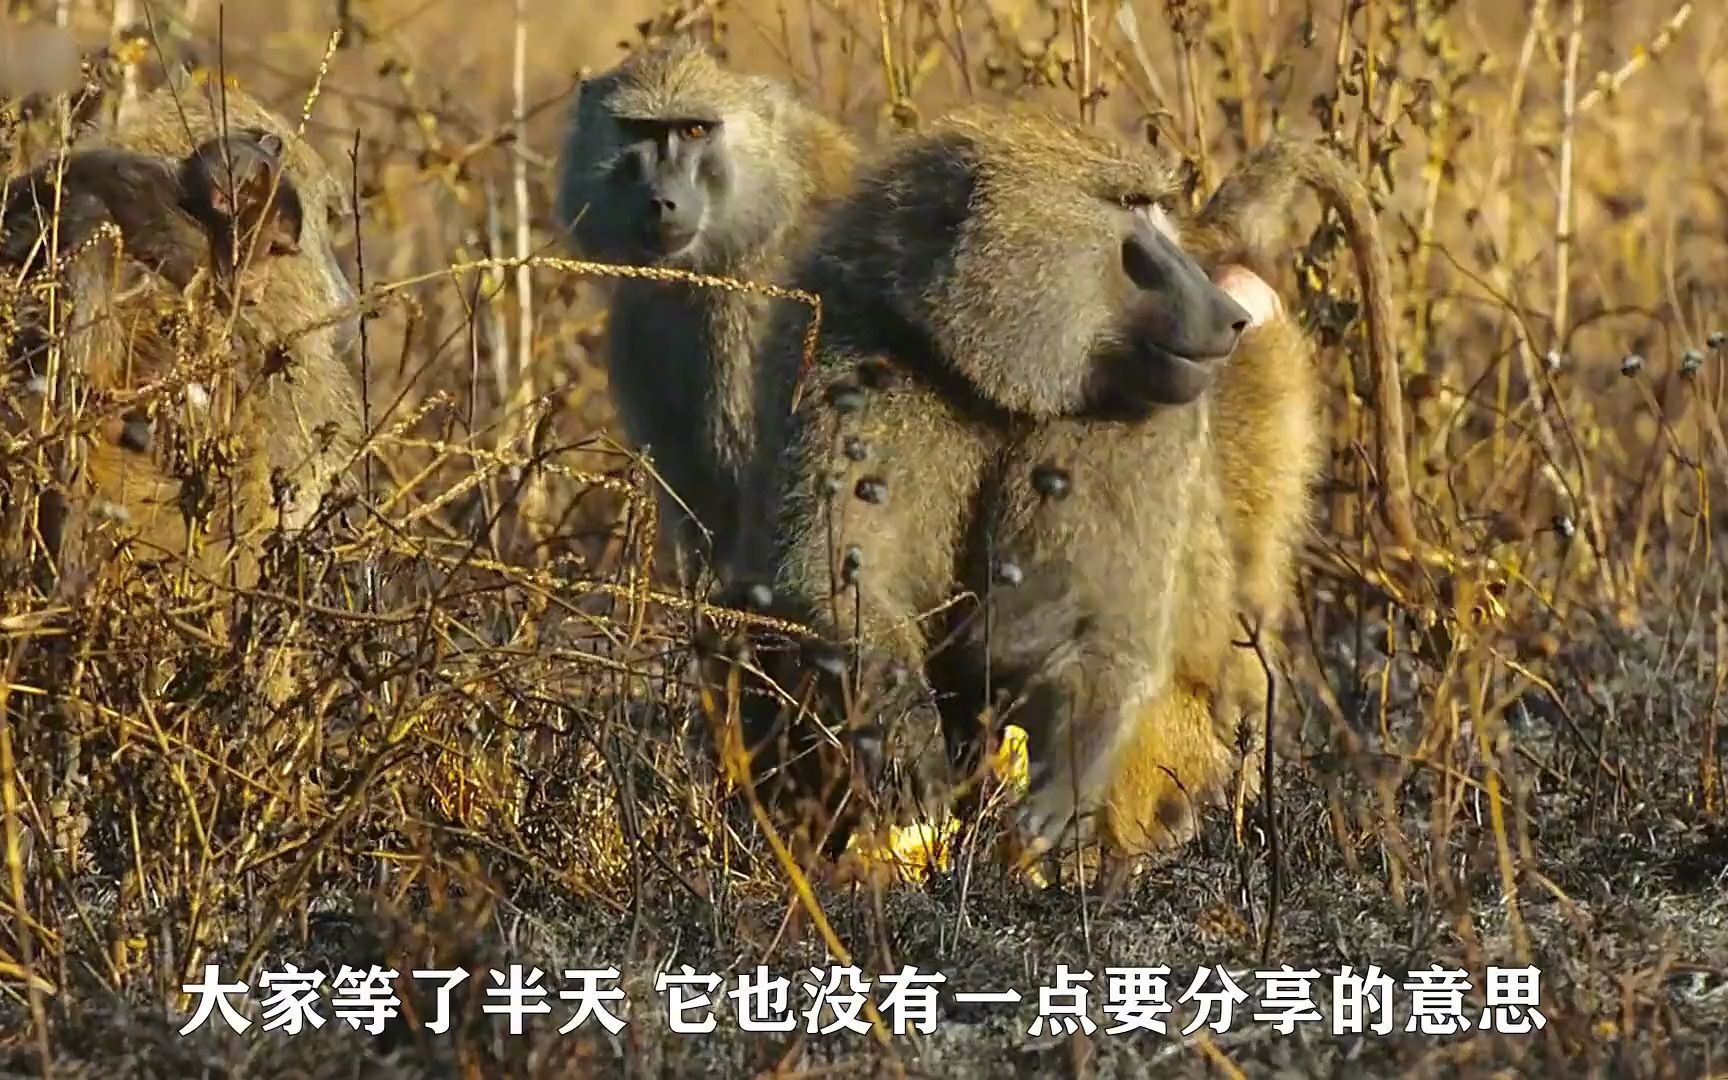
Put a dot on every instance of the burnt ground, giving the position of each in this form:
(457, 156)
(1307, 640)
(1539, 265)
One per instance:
(1621, 898)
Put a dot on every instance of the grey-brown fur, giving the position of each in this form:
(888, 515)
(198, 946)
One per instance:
(221, 204)
(983, 321)
(973, 432)
(311, 418)
(684, 377)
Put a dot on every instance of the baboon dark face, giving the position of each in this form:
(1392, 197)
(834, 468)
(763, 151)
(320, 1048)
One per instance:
(236, 188)
(306, 284)
(1173, 324)
(664, 178)
(1040, 261)
(669, 162)
(228, 198)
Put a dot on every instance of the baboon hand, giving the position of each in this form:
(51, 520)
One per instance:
(1043, 817)
(1251, 291)
(902, 759)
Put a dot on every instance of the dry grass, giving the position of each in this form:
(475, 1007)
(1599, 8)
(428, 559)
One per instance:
(1506, 750)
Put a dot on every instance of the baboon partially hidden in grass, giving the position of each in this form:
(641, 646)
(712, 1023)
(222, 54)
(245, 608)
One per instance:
(224, 252)
(1019, 397)
(674, 162)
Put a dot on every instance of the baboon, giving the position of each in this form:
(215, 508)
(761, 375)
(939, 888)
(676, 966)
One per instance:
(675, 162)
(1021, 397)
(225, 249)
(176, 218)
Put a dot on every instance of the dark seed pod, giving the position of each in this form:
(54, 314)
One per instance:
(1717, 339)
(1563, 527)
(1632, 365)
(1553, 358)
(850, 564)
(1052, 481)
(1690, 362)
(872, 489)
(829, 662)
(830, 485)
(876, 373)
(136, 432)
(845, 398)
(855, 448)
(1008, 573)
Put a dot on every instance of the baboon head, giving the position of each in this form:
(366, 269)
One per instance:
(236, 188)
(304, 219)
(1038, 261)
(675, 161)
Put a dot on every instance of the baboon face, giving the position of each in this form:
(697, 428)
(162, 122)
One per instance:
(669, 162)
(236, 188)
(667, 173)
(1044, 263)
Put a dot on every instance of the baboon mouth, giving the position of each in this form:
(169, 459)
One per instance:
(1173, 378)
(667, 240)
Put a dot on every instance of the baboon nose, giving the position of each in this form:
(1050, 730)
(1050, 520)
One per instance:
(1190, 316)
(1231, 321)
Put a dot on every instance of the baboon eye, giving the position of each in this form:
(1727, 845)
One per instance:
(693, 130)
(1143, 202)
(1156, 211)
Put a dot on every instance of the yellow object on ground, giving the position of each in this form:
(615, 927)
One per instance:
(914, 849)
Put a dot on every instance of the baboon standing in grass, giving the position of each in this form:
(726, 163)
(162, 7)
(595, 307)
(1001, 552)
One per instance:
(674, 162)
(225, 250)
(1021, 395)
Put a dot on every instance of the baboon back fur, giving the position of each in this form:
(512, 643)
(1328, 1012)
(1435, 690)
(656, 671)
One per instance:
(282, 416)
(947, 448)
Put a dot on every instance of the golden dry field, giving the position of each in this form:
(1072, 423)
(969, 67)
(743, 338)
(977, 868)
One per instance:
(480, 746)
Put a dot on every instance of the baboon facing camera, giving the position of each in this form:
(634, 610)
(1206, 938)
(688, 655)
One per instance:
(675, 162)
(1060, 435)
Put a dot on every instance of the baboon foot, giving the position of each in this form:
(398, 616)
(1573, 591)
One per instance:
(1176, 766)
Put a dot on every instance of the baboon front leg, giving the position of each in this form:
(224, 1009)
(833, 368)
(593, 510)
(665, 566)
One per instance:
(1088, 581)
(880, 481)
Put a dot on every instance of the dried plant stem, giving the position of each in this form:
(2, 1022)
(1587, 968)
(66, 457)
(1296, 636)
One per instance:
(519, 180)
(1563, 209)
(1082, 13)
(885, 26)
(1607, 85)
(124, 16)
(14, 857)
(1563, 268)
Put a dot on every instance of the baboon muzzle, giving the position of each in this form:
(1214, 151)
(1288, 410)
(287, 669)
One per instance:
(1176, 325)
(1184, 313)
